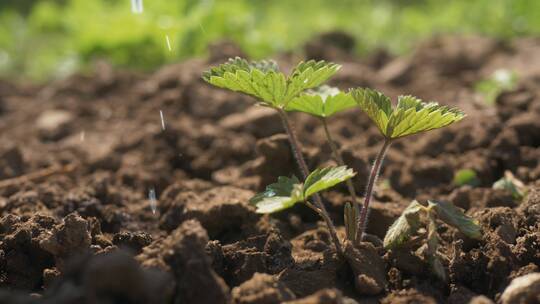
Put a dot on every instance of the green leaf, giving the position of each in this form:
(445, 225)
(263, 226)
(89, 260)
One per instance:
(453, 216)
(324, 101)
(289, 191)
(324, 178)
(466, 177)
(513, 185)
(405, 225)
(279, 196)
(409, 117)
(264, 81)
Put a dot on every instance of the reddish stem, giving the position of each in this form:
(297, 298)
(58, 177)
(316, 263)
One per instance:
(297, 152)
(374, 174)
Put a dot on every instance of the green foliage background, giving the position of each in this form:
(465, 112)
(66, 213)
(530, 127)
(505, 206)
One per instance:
(47, 38)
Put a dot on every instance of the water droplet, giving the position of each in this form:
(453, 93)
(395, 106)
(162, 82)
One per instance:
(168, 42)
(153, 200)
(162, 120)
(137, 6)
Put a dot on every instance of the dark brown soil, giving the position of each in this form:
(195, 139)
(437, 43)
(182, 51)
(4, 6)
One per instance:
(78, 158)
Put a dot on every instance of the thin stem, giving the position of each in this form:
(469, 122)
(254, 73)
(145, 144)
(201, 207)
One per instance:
(339, 160)
(374, 174)
(297, 152)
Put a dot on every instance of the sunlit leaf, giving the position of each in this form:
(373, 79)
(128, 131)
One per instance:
(263, 80)
(324, 101)
(289, 191)
(410, 116)
(279, 196)
(309, 74)
(405, 225)
(453, 216)
(324, 178)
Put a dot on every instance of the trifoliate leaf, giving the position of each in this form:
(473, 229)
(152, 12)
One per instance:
(324, 178)
(466, 177)
(309, 74)
(324, 101)
(510, 183)
(405, 225)
(279, 196)
(263, 80)
(453, 216)
(410, 116)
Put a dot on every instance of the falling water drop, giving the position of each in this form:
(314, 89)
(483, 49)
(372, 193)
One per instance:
(162, 120)
(137, 6)
(168, 42)
(153, 200)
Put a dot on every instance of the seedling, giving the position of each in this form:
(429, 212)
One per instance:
(501, 80)
(512, 184)
(410, 116)
(264, 81)
(466, 177)
(322, 103)
(417, 216)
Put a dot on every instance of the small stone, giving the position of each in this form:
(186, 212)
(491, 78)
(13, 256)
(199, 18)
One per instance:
(54, 124)
(261, 288)
(523, 290)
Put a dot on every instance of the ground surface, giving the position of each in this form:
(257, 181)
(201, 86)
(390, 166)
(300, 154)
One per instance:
(100, 141)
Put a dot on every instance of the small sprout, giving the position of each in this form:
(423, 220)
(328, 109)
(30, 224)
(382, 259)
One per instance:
(322, 102)
(411, 115)
(416, 216)
(466, 177)
(263, 80)
(289, 191)
(406, 225)
(500, 81)
(510, 183)
(350, 218)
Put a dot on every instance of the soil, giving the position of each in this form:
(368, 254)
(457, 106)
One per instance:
(80, 157)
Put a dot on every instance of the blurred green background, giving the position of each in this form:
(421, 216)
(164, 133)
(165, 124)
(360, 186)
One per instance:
(41, 39)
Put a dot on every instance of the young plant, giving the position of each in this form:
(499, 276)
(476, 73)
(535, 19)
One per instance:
(264, 81)
(323, 102)
(500, 81)
(410, 116)
(466, 177)
(511, 184)
(416, 216)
